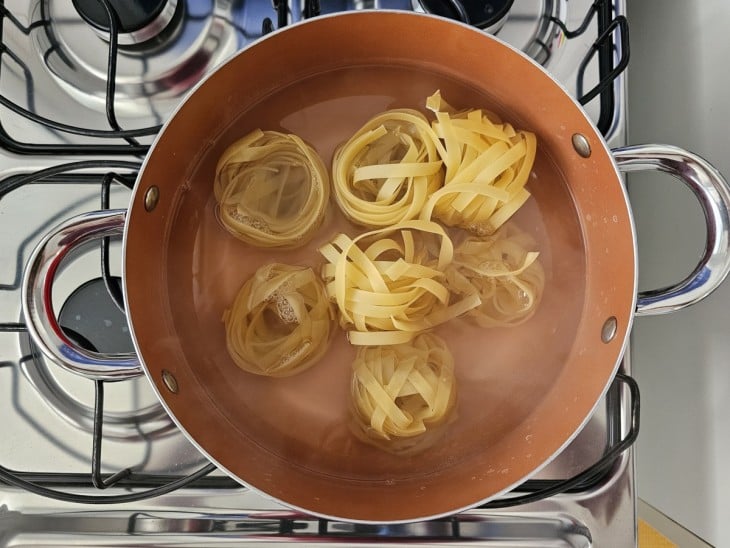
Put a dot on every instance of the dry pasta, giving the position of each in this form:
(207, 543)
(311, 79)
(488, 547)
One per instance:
(272, 189)
(393, 287)
(487, 165)
(385, 172)
(508, 278)
(280, 322)
(401, 391)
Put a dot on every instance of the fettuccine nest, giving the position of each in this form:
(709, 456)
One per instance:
(385, 172)
(401, 391)
(487, 165)
(389, 284)
(272, 189)
(280, 322)
(503, 272)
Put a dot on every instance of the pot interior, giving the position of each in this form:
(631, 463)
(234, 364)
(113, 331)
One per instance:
(522, 392)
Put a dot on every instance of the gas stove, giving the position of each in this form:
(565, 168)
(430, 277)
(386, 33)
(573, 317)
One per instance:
(84, 87)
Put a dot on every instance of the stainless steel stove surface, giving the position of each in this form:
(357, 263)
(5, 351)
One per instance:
(64, 152)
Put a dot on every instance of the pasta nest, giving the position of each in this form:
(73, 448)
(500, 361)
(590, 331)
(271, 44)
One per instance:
(487, 165)
(394, 286)
(508, 278)
(280, 322)
(385, 172)
(401, 391)
(272, 189)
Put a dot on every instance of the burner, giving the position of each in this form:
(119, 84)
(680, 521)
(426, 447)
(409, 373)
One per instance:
(484, 14)
(138, 20)
(92, 320)
(155, 65)
(528, 25)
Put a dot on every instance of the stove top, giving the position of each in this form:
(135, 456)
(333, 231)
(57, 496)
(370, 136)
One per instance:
(81, 101)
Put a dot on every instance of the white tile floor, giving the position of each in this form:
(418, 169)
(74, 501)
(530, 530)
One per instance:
(679, 76)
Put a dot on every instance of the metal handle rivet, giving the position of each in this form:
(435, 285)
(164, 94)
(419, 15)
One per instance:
(608, 331)
(581, 145)
(170, 381)
(151, 197)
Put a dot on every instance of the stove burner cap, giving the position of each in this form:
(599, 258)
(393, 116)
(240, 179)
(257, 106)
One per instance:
(155, 66)
(138, 20)
(483, 14)
(90, 318)
(93, 321)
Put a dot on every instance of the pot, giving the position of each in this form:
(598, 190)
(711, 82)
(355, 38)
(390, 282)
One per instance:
(523, 393)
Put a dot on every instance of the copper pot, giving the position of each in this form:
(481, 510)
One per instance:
(524, 393)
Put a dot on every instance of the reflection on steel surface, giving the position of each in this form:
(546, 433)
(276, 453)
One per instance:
(713, 192)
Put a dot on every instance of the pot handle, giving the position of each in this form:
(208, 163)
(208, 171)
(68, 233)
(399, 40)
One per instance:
(712, 191)
(38, 279)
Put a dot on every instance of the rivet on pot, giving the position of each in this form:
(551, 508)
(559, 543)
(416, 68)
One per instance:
(581, 145)
(151, 197)
(608, 331)
(170, 381)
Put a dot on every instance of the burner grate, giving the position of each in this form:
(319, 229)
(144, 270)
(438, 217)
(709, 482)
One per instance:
(612, 41)
(116, 132)
(608, 70)
(46, 484)
(39, 482)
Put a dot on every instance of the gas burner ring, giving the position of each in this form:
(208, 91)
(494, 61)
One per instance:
(138, 20)
(487, 15)
(528, 25)
(90, 317)
(151, 76)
